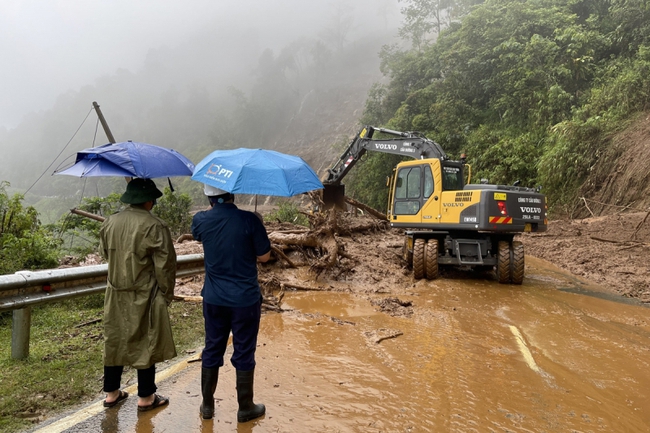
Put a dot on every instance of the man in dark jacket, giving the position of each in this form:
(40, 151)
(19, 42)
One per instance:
(141, 278)
(233, 242)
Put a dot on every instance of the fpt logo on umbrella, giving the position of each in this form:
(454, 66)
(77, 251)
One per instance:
(218, 170)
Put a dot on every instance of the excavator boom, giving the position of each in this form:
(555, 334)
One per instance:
(410, 144)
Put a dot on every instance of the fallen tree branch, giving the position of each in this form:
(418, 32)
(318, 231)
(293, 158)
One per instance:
(188, 298)
(90, 322)
(587, 206)
(639, 225)
(185, 237)
(606, 240)
(87, 214)
(629, 247)
(387, 337)
(365, 208)
(272, 307)
(299, 287)
(634, 243)
(611, 241)
(341, 321)
(307, 239)
(279, 252)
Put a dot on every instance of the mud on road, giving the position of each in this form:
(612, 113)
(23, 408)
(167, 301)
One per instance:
(456, 354)
(373, 350)
(609, 250)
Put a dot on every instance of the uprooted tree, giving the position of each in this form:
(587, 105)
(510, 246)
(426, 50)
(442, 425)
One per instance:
(321, 247)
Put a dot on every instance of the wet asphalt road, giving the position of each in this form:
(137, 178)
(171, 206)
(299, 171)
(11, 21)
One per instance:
(552, 355)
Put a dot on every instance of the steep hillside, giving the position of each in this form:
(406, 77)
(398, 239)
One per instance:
(619, 180)
(606, 237)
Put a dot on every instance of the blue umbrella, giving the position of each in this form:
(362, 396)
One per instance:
(129, 159)
(257, 171)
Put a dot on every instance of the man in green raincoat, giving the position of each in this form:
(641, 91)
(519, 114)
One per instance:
(141, 278)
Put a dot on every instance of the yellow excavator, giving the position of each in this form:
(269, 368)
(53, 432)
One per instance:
(448, 221)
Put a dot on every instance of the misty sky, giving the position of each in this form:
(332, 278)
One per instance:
(50, 47)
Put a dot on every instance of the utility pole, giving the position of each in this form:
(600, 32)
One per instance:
(107, 130)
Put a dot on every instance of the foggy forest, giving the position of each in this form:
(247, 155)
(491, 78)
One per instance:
(296, 82)
(531, 92)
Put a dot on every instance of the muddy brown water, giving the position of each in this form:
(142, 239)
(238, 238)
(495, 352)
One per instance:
(553, 355)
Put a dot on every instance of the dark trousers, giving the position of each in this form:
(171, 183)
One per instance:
(244, 322)
(146, 379)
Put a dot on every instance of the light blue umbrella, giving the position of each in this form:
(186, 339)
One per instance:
(257, 171)
(129, 159)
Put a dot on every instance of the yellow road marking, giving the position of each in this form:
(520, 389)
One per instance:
(98, 407)
(528, 357)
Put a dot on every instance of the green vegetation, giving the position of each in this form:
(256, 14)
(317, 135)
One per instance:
(174, 208)
(530, 91)
(289, 212)
(81, 234)
(65, 365)
(24, 242)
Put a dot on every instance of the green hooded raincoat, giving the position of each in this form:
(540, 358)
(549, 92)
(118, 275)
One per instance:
(140, 286)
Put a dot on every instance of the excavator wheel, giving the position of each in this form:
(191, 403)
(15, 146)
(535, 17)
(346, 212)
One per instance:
(517, 263)
(418, 259)
(503, 262)
(431, 259)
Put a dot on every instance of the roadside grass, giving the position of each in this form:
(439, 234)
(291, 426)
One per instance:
(65, 368)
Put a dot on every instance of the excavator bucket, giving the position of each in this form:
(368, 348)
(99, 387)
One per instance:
(334, 196)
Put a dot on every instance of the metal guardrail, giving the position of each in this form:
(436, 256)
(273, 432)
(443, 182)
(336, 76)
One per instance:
(22, 290)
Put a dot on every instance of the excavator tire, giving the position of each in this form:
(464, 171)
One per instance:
(517, 263)
(503, 262)
(431, 259)
(418, 259)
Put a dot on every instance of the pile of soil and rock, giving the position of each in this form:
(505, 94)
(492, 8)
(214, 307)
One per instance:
(609, 250)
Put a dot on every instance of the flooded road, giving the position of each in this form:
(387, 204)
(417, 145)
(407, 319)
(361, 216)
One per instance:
(552, 355)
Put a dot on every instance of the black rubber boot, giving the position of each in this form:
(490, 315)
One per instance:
(247, 409)
(209, 378)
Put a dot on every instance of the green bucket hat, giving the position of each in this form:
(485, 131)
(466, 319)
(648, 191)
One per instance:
(140, 191)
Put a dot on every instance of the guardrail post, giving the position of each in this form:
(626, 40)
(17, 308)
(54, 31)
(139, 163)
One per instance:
(20, 327)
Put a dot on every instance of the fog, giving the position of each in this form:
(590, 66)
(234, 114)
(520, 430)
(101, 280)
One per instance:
(194, 76)
(50, 47)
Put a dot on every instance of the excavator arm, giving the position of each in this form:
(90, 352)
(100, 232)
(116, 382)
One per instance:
(410, 144)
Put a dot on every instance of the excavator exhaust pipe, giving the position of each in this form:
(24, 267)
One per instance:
(334, 196)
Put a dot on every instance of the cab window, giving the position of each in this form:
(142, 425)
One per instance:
(452, 178)
(408, 191)
(428, 182)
